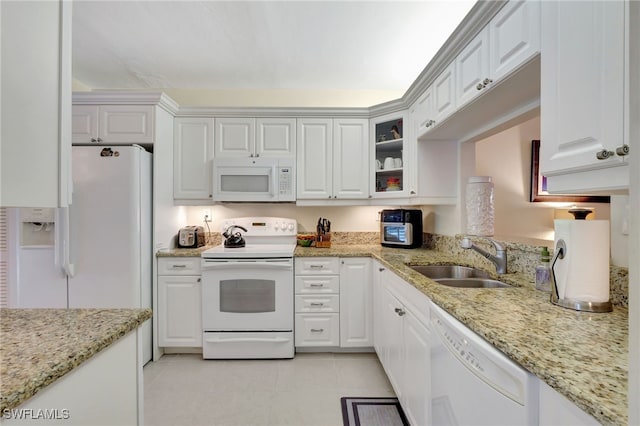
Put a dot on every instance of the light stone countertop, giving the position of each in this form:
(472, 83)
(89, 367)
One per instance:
(38, 346)
(583, 356)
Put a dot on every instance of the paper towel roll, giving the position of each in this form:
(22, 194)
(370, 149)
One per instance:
(583, 273)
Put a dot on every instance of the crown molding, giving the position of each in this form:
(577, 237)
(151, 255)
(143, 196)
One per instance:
(272, 112)
(126, 98)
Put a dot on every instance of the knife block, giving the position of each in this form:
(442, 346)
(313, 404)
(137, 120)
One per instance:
(323, 240)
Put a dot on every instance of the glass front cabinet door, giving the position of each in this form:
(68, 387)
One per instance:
(388, 157)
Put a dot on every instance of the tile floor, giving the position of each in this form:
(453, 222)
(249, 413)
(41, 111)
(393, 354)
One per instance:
(306, 390)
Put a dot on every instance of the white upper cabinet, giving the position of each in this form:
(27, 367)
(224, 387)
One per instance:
(514, 34)
(472, 68)
(444, 94)
(113, 124)
(192, 158)
(235, 137)
(510, 40)
(35, 152)
(582, 96)
(332, 159)
(276, 137)
(350, 158)
(315, 157)
(251, 137)
(422, 112)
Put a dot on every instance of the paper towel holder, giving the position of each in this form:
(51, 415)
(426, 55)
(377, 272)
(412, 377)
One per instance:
(576, 305)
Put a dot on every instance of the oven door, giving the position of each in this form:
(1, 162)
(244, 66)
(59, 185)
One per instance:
(247, 294)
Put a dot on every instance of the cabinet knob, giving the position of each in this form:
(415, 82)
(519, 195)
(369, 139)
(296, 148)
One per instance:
(335, 196)
(199, 279)
(329, 196)
(380, 269)
(94, 140)
(486, 81)
(479, 86)
(370, 196)
(622, 150)
(99, 139)
(399, 311)
(257, 155)
(604, 154)
(413, 192)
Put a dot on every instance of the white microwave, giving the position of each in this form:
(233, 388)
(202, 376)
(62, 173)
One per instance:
(254, 179)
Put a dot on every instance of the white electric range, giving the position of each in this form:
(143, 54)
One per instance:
(248, 292)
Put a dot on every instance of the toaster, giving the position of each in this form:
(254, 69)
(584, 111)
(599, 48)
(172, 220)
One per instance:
(191, 237)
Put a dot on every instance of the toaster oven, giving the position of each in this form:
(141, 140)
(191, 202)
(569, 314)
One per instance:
(401, 228)
(191, 237)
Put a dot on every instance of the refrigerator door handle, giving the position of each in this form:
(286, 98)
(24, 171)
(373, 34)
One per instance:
(63, 242)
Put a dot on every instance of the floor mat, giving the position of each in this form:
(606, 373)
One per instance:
(372, 412)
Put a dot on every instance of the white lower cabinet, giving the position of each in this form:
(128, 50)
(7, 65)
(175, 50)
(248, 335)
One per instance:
(403, 342)
(555, 409)
(333, 302)
(356, 317)
(179, 302)
(317, 302)
(317, 329)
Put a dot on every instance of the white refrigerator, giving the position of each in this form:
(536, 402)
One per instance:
(98, 252)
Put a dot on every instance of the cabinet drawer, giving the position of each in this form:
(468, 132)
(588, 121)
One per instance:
(317, 330)
(317, 303)
(317, 265)
(317, 285)
(179, 266)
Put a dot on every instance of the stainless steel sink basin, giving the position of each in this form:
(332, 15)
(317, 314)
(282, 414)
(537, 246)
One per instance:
(449, 271)
(471, 282)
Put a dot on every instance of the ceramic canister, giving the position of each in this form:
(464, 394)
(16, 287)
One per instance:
(479, 206)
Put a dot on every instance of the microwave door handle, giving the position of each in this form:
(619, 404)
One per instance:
(273, 181)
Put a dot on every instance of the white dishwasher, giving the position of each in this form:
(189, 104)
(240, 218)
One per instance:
(472, 383)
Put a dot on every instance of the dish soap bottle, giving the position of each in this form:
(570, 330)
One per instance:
(543, 271)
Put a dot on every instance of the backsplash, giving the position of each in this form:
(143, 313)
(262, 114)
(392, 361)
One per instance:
(522, 259)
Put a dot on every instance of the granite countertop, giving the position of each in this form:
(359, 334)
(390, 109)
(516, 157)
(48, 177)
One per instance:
(38, 346)
(583, 356)
(183, 252)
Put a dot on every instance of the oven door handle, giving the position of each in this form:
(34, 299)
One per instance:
(247, 339)
(211, 265)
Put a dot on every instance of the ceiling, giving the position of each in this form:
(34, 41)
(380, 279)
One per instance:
(245, 45)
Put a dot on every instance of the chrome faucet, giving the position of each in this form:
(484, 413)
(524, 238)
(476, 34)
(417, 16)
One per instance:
(499, 260)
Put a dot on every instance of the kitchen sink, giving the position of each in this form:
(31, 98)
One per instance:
(471, 282)
(449, 271)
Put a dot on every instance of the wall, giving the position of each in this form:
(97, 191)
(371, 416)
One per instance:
(506, 157)
(271, 97)
(355, 219)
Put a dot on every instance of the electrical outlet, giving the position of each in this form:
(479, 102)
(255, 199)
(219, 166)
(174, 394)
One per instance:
(206, 215)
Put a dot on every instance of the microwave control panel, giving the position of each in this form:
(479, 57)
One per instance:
(285, 180)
